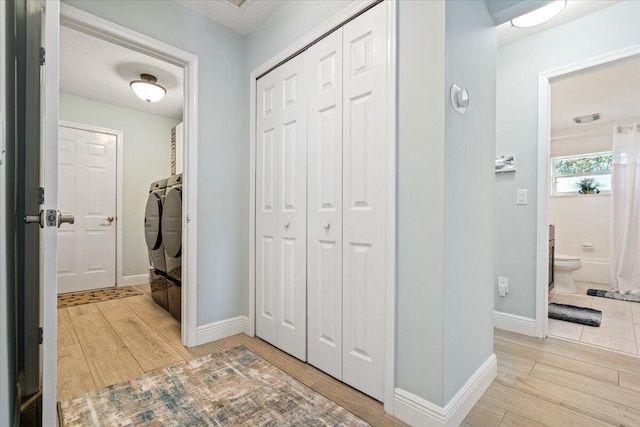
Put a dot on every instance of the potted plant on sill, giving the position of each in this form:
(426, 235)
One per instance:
(588, 186)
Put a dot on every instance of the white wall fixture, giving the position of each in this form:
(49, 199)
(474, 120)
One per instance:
(459, 98)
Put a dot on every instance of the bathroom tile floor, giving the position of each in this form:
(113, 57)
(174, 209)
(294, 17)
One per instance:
(620, 327)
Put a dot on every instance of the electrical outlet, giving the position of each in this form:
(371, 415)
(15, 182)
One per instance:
(503, 286)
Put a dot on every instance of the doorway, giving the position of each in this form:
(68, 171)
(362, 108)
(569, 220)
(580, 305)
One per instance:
(586, 107)
(546, 187)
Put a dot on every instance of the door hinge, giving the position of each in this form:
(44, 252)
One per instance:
(41, 195)
(40, 335)
(42, 55)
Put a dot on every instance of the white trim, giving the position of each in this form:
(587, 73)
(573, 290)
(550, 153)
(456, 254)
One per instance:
(390, 300)
(514, 323)
(134, 280)
(49, 239)
(544, 136)
(119, 182)
(417, 411)
(335, 21)
(122, 36)
(221, 329)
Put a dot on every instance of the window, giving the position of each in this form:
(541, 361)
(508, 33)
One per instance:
(568, 171)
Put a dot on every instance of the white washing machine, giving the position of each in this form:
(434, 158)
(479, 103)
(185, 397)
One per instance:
(153, 237)
(172, 241)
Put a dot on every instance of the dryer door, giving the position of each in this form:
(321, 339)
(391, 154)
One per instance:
(172, 222)
(152, 215)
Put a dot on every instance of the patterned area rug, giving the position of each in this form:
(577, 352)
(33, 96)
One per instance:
(613, 295)
(96, 295)
(231, 388)
(574, 314)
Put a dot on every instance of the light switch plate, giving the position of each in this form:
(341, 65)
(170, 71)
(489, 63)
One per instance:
(521, 197)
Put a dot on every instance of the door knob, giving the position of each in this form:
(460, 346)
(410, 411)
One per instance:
(326, 225)
(68, 218)
(110, 219)
(286, 224)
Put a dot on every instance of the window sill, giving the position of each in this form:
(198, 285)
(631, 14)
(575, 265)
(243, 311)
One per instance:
(602, 193)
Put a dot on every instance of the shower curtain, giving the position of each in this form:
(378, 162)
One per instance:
(625, 210)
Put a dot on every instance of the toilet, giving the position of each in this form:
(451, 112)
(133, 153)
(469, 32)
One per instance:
(563, 268)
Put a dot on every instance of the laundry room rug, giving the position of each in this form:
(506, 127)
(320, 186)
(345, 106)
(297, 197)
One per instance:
(571, 313)
(613, 295)
(231, 388)
(97, 295)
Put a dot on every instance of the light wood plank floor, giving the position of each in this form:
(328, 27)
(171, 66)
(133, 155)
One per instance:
(109, 342)
(555, 382)
(551, 382)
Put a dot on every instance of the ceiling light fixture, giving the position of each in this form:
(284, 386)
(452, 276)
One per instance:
(146, 88)
(588, 118)
(540, 16)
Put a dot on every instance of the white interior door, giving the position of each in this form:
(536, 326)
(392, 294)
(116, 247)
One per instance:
(266, 206)
(281, 191)
(324, 234)
(292, 208)
(364, 200)
(86, 188)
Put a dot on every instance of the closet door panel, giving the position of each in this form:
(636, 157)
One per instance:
(267, 177)
(324, 232)
(364, 200)
(292, 208)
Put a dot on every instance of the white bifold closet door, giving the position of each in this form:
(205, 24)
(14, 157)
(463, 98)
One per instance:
(347, 202)
(364, 229)
(324, 205)
(281, 198)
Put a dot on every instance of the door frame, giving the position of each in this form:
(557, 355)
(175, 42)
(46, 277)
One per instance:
(543, 182)
(87, 23)
(119, 182)
(349, 12)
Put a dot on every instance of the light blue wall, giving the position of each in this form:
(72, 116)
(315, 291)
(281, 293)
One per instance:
(223, 171)
(519, 64)
(421, 174)
(146, 158)
(469, 187)
(290, 22)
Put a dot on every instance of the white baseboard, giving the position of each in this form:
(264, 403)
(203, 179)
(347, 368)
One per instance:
(514, 323)
(417, 411)
(221, 329)
(138, 279)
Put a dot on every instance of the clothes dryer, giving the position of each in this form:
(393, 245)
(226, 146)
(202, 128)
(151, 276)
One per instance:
(172, 240)
(153, 237)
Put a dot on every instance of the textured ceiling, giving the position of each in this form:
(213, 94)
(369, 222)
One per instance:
(96, 69)
(575, 9)
(611, 89)
(242, 19)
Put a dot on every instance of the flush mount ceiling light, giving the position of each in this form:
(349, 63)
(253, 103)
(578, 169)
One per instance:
(146, 88)
(540, 16)
(587, 119)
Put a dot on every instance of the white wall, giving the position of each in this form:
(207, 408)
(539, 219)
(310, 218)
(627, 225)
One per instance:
(223, 148)
(146, 158)
(519, 64)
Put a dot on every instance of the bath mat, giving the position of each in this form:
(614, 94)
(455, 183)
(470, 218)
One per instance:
(571, 313)
(231, 388)
(96, 295)
(613, 295)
